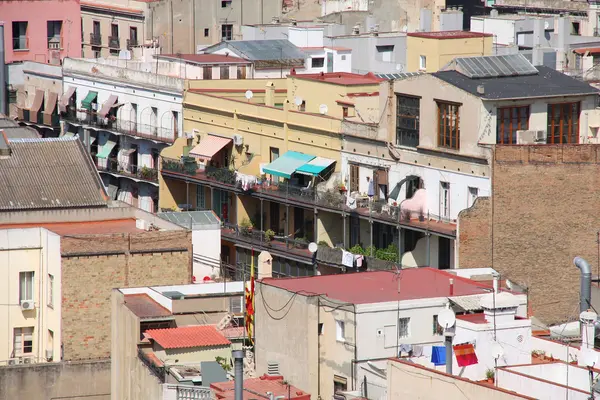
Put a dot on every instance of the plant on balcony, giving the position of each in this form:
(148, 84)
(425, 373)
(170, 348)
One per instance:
(147, 173)
(246, 226)
(421, 215)
(390, 253)
(489, 374)
(406, 214)
(357, 249)
(269, 235)
(323, 243)
(221, 175)
(342, 188)
(301, 242)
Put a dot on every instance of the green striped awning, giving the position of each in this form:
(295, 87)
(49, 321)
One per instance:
(106, 149)
(87, 102)
(287, 164)
(315, 166)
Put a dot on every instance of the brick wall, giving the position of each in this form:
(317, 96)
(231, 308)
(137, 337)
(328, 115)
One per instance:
(474, 239)
(88, 276)
(545, 212)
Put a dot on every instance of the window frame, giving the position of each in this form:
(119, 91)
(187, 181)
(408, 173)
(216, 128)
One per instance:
(446, 207)
(437, 329)
(200, 196)
(226, 32)
(518, 122)
(422, 62)
(470, 197)
(574, 123)
(22, 39)
(354, 177)
(410, 114)
(23, 282)
(313, 59)
(448, 116)
(23, 333)
(340, 330)
(406, 326)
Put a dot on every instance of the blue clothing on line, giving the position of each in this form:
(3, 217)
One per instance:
(438, 355)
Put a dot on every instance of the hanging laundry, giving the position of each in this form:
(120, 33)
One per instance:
(405, 348)
(438, 355)
(350, 202)
(465, 354)
(347, 259)
(358, 260)
(417, 351)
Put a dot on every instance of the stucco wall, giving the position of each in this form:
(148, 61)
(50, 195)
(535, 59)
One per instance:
(72, 380)
(440, 52)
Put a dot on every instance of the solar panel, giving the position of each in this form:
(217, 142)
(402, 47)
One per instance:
(495, 66)
(399, 75)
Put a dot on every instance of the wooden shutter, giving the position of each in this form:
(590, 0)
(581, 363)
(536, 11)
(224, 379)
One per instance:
(353, 177)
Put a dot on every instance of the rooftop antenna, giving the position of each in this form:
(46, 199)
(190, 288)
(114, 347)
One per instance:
(447, 319)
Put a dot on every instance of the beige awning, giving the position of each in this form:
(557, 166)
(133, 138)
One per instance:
(112, 99)
(36, 106)
(66, 97)
(51, 103)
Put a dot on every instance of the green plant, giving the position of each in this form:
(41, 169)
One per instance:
(357, 249)
(323, 243)
(489, 374)
(269, 235)
(246, 226)
(223, 363)
(390, 253)
(370, 251)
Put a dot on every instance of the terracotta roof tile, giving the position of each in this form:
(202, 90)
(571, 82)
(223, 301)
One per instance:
(262, 386)
(188, 336)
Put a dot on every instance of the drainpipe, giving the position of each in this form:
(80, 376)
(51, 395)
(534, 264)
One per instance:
(2, 73)
(238, 362)
(585, 289)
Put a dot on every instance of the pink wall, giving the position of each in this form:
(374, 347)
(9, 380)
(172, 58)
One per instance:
(37, 13)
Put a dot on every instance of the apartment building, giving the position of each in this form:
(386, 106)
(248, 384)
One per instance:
(111, 26)
(41, 31)
(31, 296)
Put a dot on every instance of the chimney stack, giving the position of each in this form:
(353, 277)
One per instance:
(238, 363)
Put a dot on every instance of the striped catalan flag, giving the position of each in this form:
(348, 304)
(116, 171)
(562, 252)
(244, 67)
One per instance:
(465, 354)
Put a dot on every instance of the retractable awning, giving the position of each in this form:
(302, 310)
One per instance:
(106, 149)
(287, 164)
(38, 100)
(66, 98)
(89, 98)
(209, 146)
(315, 166)
(51, 103)
(112, 99)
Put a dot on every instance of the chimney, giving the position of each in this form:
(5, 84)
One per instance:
(238, 363)
(538, 33)
(265, 265)
(585, 284)
(480, 89)
(270, 94)
(3, 82)
(588, 327)
(451, 287)
(495, 283)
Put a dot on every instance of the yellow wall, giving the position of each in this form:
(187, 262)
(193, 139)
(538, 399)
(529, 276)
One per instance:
(439, 52)
(192, 355)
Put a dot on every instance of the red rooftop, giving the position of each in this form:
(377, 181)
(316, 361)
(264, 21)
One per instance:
(188, 336)
(258, 388)
(450, 35)
(382, 286)
(341, 78)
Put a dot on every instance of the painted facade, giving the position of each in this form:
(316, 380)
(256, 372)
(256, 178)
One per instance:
(32, 296)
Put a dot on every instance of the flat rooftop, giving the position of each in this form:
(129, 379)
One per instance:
(382, 286)
(342, 78)
(449, 35)
(144, 307)
(83, 227)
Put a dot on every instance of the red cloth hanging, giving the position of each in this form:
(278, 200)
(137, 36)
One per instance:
(465, 354)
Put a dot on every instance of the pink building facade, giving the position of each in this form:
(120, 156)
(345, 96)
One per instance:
(44, 31)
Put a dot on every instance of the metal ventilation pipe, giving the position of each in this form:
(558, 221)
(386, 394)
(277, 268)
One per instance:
(238, 365)
(585, 290)
(3, 82)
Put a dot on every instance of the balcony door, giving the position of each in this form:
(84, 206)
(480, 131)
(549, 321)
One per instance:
(444, 199)
(274, 216)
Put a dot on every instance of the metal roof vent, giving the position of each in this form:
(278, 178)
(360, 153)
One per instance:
(272, 368)
(480, 89)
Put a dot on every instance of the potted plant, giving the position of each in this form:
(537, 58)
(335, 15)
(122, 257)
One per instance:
(246, 226)
(269, 235)
(489, 374)
(301, 243)
(421, 216)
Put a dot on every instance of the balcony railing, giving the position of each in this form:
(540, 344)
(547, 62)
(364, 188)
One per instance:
(143, 173)
(131, 43)
(325, 198)
(95, 39)
(257, 237)
(20, 43)
(131, 128)
(114, 42)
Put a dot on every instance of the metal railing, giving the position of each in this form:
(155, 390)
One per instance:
(95, 39)
(20, 43)
(184, 392)
(255, 236)
(125, 127)
(143, 173)
(114, 42)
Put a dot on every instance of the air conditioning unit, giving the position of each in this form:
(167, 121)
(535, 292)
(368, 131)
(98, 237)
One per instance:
(238, 140)
(13, 361)
(531, 137)
(27, 305)
(27, 360)
(49, 354)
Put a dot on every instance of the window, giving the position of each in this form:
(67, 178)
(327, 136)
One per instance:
(404, 327)
(437, 329)
(23, 341)
(26, 286)
(509, 121)
(225, 3)
(471, 196)
(302, 106)
(50, 290)
(175, 115)
(225, 72)
(320, 328)
(444, 200)
(354, 178)
(50, 345)
(19, 30)
(344, 58)
(96, 28)
(563, 123)
(345, 112)
(274, 153)
(448, 125)
(340, 331)
(340, 384)
(241, 72)
(226, 32)
(422, 63)
(317, 62)
(575, 28)
(54, 29)
(207, 73)
(200, 198)
(235, 305)
(133, 37)
(385, 53)
(114, 30)
(407, 120)
(206, 31)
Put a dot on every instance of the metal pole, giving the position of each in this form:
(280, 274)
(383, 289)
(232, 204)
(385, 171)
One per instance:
(238, 359)
(427, 261)
(3, 82)
(371, 235)
(448, 343)
(344, 223)
(261, 220)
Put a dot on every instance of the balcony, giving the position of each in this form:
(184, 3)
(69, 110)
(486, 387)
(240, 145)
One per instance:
(132, 171)
(130, 128)
(131, 43)
(114, 42)
(95, 39)
(327, 200)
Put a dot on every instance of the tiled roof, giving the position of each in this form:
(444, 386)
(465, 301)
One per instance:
(49, 173)
(188, 336)
(258, 388)
(261, 50)
(143, 306)
(205, 58)
(382, 286)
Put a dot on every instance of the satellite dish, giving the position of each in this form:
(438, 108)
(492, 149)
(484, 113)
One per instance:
(589, 358)
(249, 94)
(497, 350)
(446, 318)
(298, 101)
(323, 109)
(312, 247)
